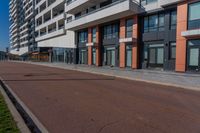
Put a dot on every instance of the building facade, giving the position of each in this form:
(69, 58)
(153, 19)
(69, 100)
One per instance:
(134, 34)
(22, 28)
(146, 34)
(52, 38)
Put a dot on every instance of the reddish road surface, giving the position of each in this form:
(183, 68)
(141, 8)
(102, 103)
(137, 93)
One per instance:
(67, 101)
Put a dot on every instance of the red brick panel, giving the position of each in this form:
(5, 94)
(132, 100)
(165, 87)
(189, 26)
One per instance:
(89, 48)
(122, 55)
(135, 49)
(122, 47)
(182, 10)
(98, 48)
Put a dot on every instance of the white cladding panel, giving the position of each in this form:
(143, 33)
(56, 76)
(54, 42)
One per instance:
(65, 41)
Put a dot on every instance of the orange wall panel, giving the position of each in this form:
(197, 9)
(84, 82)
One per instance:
(182, 10)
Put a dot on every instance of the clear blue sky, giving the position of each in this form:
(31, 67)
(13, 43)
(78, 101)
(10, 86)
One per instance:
(4, 24)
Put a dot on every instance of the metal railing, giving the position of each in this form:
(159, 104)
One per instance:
(104, 7)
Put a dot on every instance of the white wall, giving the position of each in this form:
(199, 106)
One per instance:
(65, 41)
(19, 52)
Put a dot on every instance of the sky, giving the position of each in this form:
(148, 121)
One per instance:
(4, 24)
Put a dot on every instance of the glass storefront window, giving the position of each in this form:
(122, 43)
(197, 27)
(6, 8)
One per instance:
(193, 53)
(156, 55)
(129, 27)
(93, 56)
(111, 31)
(94, 34)
(128, 56)
(194, 57)
(58, 55)
(173, 19)
(172, 50)
(83, 36)
(110, 56)
(194, 11)
(194, 16)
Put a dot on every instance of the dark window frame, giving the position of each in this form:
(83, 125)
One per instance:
(158, 27)
(129, 28)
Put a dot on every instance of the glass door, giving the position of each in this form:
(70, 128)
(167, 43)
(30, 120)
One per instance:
(156, 55)
(128, 56)
(83, 56)
(93, 56)
(194, 55)
(110, 56)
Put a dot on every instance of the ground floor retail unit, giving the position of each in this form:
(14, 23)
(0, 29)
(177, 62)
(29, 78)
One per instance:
(153, 55)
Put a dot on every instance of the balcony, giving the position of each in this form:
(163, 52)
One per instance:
(74, 6)
(116, 10)
(169, 2)
(51, 34)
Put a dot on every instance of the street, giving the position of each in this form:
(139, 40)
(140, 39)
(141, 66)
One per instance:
(67, 101)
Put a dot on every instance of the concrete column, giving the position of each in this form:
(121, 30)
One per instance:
(182, 11)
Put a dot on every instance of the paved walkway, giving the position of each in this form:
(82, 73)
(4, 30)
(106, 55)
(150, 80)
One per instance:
(183, 80)
(67, 101)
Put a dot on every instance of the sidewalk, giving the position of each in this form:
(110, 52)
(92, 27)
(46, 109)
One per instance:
(183, 80)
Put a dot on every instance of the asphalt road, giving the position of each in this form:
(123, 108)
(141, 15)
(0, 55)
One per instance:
(68, 101)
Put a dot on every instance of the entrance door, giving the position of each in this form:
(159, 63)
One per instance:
(110, 56)
(128, 56)
(93, 56)
(194, 55)
(156, 55)
(83, 56)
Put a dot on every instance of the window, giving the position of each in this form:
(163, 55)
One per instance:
(129, 27)
(173, 19)
(78, 15)
(94, 34)
(161, 22)
(69, 19)
(83, 36)
(154, 23)
(111, 31)
(173, 50)
(194, 16)
(146, 24)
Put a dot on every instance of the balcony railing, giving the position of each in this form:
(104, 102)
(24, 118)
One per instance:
(102, 8)
(70, 1)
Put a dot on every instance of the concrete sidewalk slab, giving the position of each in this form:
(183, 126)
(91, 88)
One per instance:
(183, 80)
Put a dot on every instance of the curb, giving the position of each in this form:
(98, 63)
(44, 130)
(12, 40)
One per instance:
(15, 114)
(29, 119)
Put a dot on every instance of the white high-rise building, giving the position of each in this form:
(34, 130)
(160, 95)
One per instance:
(51, 35)
(22, 40)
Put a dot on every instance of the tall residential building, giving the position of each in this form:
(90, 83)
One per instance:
(22, 33)
(52, 38)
